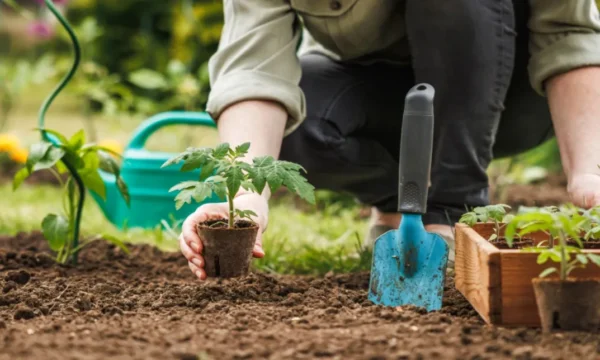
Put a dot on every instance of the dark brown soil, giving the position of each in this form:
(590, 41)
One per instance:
(502, 244)
(149, 306)
(551, 191)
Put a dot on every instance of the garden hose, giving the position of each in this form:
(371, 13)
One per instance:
(42, 114)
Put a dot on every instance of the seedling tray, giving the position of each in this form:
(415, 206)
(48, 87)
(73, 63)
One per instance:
(497, 282)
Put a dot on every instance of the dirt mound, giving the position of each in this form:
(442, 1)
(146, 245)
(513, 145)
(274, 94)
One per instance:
(149, 306)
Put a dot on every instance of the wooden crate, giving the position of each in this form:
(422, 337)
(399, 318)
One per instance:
(497, 282)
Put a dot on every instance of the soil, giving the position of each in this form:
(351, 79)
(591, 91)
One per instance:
(550, 191)
(150, 306)
(502, 244)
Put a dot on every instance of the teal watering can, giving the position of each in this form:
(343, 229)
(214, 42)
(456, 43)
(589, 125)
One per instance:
(151, 202)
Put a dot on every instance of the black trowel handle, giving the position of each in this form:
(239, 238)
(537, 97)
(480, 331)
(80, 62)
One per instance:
(416, 144)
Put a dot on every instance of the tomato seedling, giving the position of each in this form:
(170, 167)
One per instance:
(496, 214)
(62, 230)
(562, 224)
(223, 173)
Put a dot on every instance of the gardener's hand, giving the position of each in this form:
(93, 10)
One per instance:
(190, 243)
(584, 190)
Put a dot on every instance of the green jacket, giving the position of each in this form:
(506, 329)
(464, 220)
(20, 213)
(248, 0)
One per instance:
(258, 52)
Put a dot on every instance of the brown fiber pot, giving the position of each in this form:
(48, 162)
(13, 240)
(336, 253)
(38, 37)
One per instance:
(227, 252)
(568, 305)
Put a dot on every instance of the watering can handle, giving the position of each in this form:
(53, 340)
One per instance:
(416, 146)
(158, 121)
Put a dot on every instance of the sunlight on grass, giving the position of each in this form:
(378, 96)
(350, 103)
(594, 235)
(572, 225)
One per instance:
(296, 241)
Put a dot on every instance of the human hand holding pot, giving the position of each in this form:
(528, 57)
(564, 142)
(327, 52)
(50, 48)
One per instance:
(190, 242)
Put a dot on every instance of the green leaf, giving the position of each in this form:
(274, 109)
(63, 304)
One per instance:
(220, 151)
(91, 161)
(220, 189)
(123, 190)
(93, 181)
(469, 218)
(594, 258)
(298, 184)
(108, 164)
(184, 185)
(543, 257)
(247, 185)
(206, 171)
(19, 177)
(77, 140)
(56, 230)
(36, 152)
(548, 272)
(242, 149)
(582, 259)
(148, 79)
(52, 156)
(234, 180)
(117, 242)
(195, 161)
(61, 168)
(184, 197)
(73, 158)
(202, 192)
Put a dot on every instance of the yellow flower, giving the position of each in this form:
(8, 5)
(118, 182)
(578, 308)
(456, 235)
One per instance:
(8, 142)
(112, 145)
(19, 155)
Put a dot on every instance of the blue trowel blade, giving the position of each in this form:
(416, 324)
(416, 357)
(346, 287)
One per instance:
(409, 266)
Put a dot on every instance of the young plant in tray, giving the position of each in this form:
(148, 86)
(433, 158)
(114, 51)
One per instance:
(228, 242)
(564, 303)
(496, 214)
(62, 230)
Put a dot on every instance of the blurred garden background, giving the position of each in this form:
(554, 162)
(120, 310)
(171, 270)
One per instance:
(142, 57)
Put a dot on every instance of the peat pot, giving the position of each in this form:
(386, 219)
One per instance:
(572, 304)
(227, 252)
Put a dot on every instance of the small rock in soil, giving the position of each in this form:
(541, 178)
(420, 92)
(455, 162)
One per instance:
(10, 285)
(2, 325)
(21, 277)
(522, 353)
(24, 313)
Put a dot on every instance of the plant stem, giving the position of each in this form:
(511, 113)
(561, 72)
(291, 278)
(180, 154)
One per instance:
(563, 256)
(231, 209)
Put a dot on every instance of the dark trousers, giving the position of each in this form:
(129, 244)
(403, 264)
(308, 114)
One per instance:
(475, 54)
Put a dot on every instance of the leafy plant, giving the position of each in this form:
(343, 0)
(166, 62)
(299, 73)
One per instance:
(562, 224)
(16, 77)
(223, 173)
(180, 88)
(496, 213)
(61, 230)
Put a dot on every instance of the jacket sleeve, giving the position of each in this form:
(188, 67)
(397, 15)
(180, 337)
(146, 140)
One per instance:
(256, 58)
(565, 35)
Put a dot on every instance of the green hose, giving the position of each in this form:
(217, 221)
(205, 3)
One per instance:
(42, 114)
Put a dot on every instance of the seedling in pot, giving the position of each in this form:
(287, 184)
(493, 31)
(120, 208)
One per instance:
(62, 230)
(496, 214)
(228, 242)
(565, 303)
